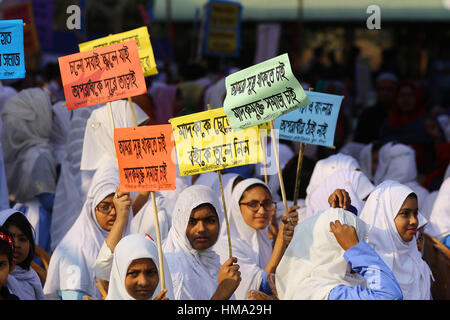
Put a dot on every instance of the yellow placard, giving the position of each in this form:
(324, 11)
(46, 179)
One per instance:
(205, 142)
(142, 38)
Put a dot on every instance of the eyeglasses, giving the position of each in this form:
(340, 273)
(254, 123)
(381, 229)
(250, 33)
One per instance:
(255, 205)
(105, 207)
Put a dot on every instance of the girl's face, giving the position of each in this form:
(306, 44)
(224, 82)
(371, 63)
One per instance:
(406, 99)
(21, 244)
(105, 213)
(203, 227)
(5, 269)
(257, 207)
(142, 278)
(406, 220)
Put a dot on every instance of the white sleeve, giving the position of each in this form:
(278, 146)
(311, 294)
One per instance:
(103, 264)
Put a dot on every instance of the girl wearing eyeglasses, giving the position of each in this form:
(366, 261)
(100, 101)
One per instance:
(250, 210)
(71, 273)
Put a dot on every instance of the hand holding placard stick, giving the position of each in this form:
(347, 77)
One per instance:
(205, 142)
(145, 164)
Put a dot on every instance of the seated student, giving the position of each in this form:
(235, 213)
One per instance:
(195, 267)
(328, 258)
(6, 263)
(135, 271)
(24, 282)
(71, 271)
(391, 211)
(250, 211)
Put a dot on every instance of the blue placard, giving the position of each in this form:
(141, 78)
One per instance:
(12, 58)
(313, 124)
(222, 35)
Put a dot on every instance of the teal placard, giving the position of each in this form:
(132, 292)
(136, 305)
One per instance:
(313, 124)
(12, 58)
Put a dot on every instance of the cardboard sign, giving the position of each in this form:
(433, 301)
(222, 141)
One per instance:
(313, 124)
(12, 58)
(101, 75)
(223, 28)
(142, 40)
(262, 93)
(144, 156)
(205, 142)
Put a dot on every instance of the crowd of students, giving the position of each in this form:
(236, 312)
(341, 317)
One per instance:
(354, 233)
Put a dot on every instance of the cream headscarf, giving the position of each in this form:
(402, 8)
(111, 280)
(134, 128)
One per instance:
(29, 163)
(72, 263)
(251, 247)
(398, 162)
(129, 248)
(354, 182)
(403, 258)
(98, 137)
(194, 273)
(313, 263)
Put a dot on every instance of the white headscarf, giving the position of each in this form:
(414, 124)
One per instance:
(326, 167)
(98, 137)
(403, 258)
(313, 263)
(398, 162)
(6, 92)
(129, 248)
(194, 273)
(25, 284)
(29, 162)
(439, 224)
(354, 182)
(251, 247)
(72, 263)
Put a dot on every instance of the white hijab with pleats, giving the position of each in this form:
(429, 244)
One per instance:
(72, 263)
(251, 247)
(194, 273)
(313, 263)
(130, 248)
(403, 258)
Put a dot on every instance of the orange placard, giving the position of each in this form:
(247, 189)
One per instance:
(146, 158)
(101, 75)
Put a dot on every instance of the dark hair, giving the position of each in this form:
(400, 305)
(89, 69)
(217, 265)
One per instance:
(206, 204)
(412, 195)
(236, 181)
(5, 246)
(21, 222)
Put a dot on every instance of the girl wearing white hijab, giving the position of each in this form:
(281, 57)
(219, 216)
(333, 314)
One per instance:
(195, 268)
(354, 182)
(127, 281)
(392, 214)
(439, 222)
(29, 162)
(249, 212)
(24, 282)
(320, 258)
(398, 162)
(71, 270)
